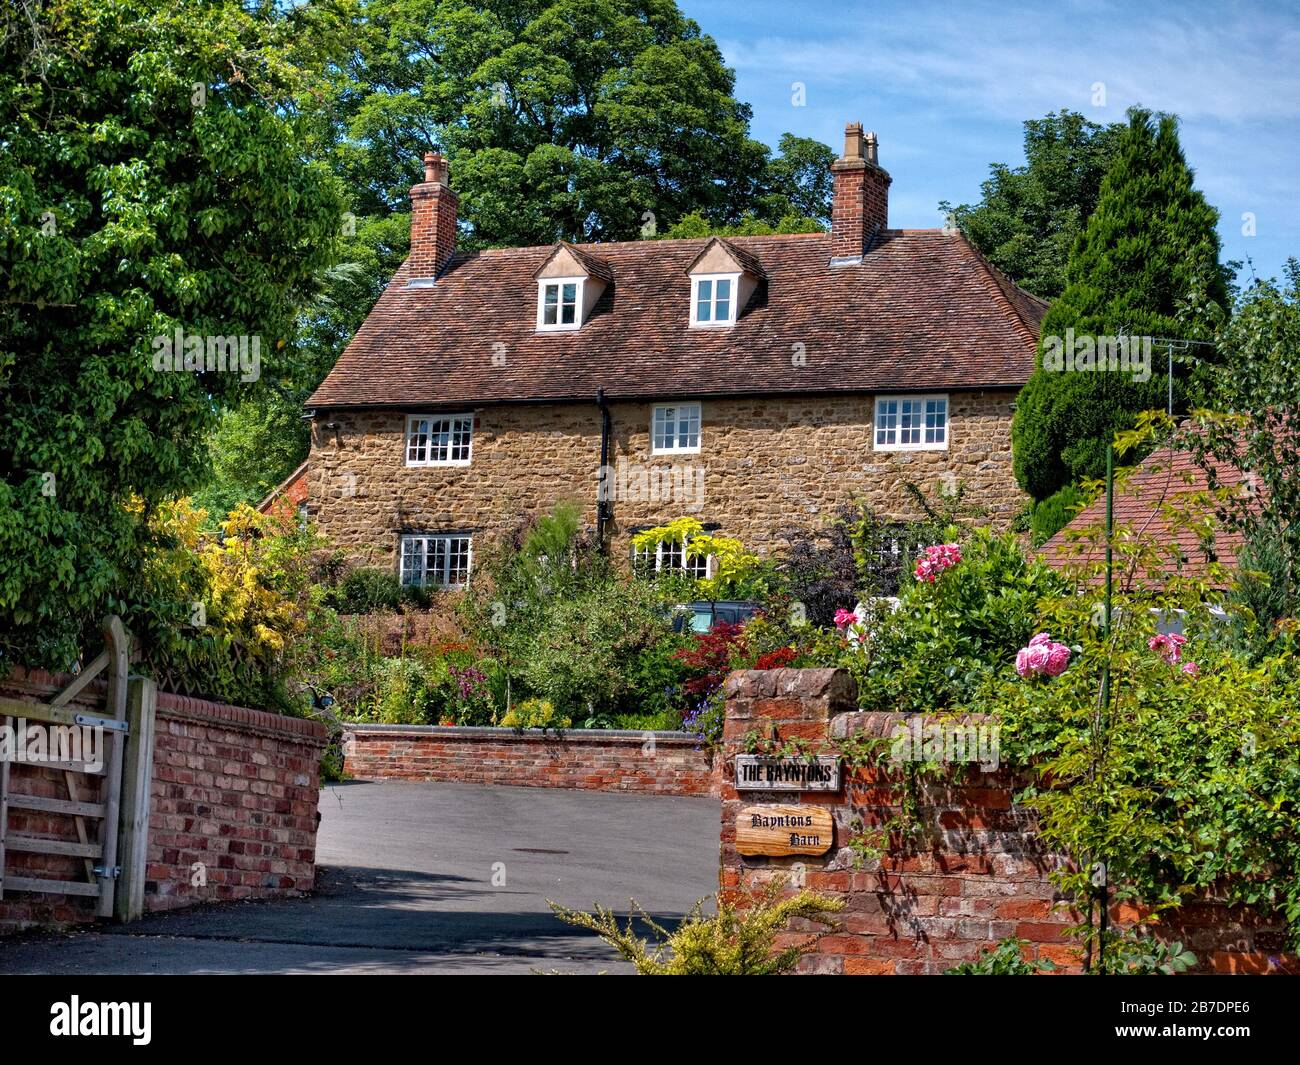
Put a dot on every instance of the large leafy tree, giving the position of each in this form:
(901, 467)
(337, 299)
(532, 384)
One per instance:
(562, 118)
(1146, 264)
(151, 179)
(1029, 217)
(794, 196)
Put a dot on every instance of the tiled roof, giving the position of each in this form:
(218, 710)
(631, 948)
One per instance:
(921, 311)
(1159, 483)
(293, 488)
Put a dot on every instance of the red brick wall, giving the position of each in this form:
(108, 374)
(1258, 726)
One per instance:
(233, 789)
(660, 763)
(978, 875)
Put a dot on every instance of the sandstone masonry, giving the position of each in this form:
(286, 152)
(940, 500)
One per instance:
(765, 464)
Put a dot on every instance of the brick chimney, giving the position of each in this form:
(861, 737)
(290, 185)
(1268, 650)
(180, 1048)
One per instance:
(433, 222)
(860, 209)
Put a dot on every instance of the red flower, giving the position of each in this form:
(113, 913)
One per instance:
(782, 656)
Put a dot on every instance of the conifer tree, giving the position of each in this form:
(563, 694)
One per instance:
(1146, 265)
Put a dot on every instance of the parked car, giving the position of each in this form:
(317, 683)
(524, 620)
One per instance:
(702, 616)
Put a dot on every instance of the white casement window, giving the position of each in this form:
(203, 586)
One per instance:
(675, 429)
(713, 299)
(439, 439)
(436, 561)
(665, 557)
(911, 423)
(559, 303)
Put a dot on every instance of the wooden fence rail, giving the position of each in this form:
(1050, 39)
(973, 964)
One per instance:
(114, 792)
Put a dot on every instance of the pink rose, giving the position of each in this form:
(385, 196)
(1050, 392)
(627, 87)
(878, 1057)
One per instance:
(1058, 657)
(844, 617)
(936, 559)
(1043, 656)
(1168, 645)
(1191, 669)
(1022, 661)
(1038, 657)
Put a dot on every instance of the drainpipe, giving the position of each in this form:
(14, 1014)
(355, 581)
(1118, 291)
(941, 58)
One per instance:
(603, 486)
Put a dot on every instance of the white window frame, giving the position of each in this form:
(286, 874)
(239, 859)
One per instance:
(893, 441)
(425, 539)
(543, 283)
(429, 459)
(714, 322)
(676, 448)
(642, 554)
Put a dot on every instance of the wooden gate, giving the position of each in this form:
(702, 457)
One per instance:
(107, 799)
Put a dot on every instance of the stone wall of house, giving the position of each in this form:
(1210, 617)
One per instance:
(765, 465)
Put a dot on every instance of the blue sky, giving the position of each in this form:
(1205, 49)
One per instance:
(947, 86)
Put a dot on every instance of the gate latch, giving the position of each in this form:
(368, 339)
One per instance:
(105, 873)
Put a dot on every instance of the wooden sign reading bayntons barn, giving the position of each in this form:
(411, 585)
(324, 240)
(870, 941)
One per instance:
(755, 772)
(780, 830)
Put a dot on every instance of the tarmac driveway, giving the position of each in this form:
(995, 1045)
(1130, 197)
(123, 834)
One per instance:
(429, 878)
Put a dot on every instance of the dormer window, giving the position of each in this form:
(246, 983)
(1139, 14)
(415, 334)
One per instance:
(714, 302)
(723, 277)
(559, 303)
(570, 282)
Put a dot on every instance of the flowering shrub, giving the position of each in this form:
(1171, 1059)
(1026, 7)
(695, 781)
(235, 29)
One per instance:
(935, 560)
(1043, 657)
(471, 698)
(946, 637)
(224, 615)
(534, 713)
(1177, 787)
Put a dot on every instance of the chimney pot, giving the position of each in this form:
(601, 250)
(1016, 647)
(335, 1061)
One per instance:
(853, 140)
(872, 149)
(435, 168)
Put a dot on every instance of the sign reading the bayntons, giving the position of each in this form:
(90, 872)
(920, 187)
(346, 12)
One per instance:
(756, 772)
(781, 830)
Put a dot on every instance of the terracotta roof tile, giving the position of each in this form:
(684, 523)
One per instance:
(1160, 482)
(922, 311)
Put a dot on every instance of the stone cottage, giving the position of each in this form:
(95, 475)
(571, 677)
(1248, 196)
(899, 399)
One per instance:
(756, 383)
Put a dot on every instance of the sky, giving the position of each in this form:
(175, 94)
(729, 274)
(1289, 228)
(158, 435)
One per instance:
(947, 86)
